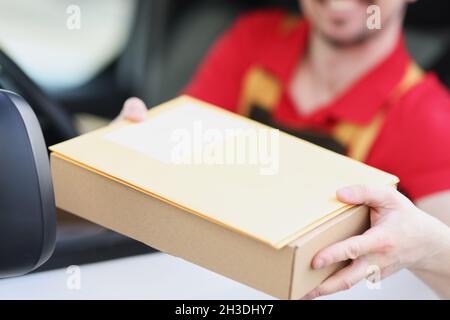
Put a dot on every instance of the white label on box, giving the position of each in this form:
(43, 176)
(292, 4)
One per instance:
(158, 136)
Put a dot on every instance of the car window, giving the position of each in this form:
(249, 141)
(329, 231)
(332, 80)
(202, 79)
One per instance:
(61, 45)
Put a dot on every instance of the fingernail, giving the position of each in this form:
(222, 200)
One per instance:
(319, 264)
(345, 193)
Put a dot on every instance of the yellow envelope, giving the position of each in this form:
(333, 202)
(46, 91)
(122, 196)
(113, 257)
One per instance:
(225, 168)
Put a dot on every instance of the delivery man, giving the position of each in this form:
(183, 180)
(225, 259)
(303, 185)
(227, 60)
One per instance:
(331, 78)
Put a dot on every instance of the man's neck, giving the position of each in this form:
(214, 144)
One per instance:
(338, 67)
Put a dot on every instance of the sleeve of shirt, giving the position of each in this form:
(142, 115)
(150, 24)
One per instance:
(422, 159)
(218, 80)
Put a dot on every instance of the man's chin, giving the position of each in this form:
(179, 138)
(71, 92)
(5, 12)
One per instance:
(347, 41)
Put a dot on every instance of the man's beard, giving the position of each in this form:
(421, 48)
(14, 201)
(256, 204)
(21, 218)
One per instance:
(364, 36)
(343, 44)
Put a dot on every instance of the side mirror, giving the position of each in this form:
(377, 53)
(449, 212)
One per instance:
(27, 204)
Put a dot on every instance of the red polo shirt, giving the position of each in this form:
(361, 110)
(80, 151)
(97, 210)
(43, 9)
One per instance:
(414, 140)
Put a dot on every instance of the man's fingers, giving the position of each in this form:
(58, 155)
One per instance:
(134, 109)
(351, 248)
(375, 197)
(342, 280)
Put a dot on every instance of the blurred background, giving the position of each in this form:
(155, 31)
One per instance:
(76, 73)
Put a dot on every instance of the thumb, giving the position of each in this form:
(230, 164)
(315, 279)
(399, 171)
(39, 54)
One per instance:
(374, 197)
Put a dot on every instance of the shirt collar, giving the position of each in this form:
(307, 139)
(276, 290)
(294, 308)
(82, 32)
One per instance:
(364, 98)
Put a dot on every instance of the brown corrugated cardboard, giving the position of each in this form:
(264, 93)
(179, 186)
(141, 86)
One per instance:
(284, 273)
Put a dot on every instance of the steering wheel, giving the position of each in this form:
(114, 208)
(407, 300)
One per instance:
(52, 117)
(27, 206)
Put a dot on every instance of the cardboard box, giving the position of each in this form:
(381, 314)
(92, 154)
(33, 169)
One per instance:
(260, 230)
(283, 273)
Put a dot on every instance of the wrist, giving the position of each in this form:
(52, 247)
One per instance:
(437, 248)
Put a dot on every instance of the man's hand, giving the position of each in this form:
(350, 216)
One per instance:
(401, 236)
(133, 109)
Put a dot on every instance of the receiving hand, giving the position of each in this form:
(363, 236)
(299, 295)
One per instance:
(401, 236)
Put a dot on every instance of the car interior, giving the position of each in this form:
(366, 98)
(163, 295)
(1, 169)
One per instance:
(152, 55)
